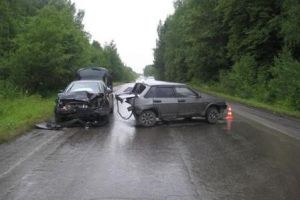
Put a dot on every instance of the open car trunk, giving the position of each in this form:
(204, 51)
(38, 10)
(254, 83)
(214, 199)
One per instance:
(95, 73)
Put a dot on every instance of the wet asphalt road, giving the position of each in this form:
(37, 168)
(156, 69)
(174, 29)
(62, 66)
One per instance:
(255, 156)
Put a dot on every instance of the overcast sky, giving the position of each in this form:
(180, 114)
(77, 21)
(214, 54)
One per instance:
(132, 24)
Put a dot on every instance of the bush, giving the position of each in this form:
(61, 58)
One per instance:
(285, 86)
(241, 80)
(8, 90)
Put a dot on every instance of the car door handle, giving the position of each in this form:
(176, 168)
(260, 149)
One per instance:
(181, 100)
(156, 101)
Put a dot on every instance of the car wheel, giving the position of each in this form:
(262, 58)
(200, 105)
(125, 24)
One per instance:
(212, 115)
(147, 118)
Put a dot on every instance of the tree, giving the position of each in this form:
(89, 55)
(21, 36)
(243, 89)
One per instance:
(150, 70)
(50, 48)
(247, 47)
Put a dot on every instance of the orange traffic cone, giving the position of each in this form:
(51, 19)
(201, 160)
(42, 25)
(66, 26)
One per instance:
(229, 113)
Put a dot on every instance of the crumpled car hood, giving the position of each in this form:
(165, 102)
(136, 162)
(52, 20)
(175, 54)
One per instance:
(78, 96)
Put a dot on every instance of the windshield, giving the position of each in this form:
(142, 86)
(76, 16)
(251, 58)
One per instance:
(138, 88)
(92, 87)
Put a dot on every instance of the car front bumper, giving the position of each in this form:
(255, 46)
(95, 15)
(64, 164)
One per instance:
(81, 113)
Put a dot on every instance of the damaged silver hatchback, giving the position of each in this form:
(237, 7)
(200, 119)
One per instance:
(154, 100)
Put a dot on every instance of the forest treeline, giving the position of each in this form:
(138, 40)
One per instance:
(245, 48)
(43, 43)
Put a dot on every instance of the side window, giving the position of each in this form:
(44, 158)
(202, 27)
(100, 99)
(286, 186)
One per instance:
(184, 92)
(164, 92)
(138, 88)
(150, 93)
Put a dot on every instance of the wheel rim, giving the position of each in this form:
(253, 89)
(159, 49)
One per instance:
(213, 115)
(148, 118)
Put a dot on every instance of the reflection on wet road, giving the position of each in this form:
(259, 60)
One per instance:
(185, 160)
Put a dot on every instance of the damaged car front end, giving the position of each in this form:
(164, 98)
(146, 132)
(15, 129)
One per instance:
(84, 101)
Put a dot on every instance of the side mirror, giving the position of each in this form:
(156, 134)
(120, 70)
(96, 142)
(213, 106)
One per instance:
(60, 91)
(198, 95)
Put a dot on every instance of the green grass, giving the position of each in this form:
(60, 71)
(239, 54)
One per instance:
(19, 115)
(274, 108)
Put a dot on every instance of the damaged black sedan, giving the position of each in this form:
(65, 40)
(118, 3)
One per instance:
(85, 101)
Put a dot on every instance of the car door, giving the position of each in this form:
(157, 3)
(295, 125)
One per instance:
(165, 101)
(190, 103)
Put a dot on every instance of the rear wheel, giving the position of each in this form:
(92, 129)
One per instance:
(147, 118)
(212, 115)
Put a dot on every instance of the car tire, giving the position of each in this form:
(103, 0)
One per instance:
(147, 118)
(212, 115)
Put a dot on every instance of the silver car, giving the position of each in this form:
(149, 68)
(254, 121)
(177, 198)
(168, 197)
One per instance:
(154, 100)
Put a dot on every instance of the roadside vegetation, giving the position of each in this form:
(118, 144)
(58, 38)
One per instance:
(247, 50)
(19, 115)
(278, 109)
(42, 44)
(19, 111)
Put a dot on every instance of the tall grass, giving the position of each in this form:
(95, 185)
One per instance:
(18, 112)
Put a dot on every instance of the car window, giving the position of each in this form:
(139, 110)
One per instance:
(164, 92)
(150, 93)
(184, 92)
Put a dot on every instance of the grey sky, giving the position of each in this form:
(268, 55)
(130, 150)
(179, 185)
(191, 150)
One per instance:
(132, 24)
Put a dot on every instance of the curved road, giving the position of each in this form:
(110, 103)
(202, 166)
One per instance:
(255, 156)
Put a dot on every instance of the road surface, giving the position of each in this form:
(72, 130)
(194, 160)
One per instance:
(254, 156)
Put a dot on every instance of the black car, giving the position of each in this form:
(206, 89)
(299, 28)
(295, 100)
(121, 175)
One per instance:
(85, 100)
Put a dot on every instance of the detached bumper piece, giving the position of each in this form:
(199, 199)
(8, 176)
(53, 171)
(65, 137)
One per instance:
(48, 126)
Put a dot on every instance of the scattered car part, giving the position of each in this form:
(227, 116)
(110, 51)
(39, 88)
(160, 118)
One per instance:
(71, 123)
(120, 98)
(48, 126)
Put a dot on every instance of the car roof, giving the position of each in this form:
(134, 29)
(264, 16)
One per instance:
(88, 81)
(161, 83)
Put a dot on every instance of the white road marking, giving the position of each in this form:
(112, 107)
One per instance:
(19, 162)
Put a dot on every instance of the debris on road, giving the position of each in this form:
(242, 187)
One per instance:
(72, 123)
(48, 126)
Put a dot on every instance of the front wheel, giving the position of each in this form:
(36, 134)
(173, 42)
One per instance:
(147, 118)
(212, 115)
